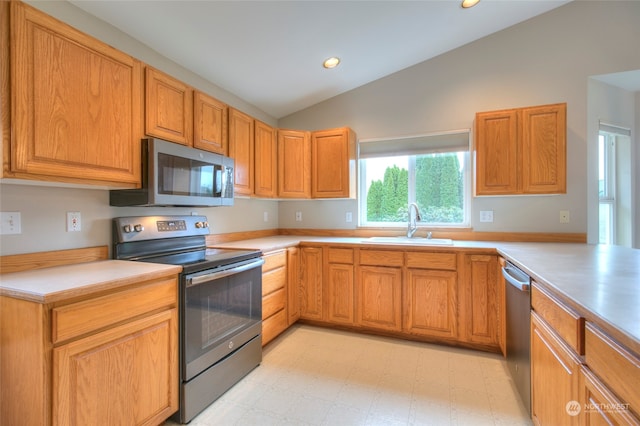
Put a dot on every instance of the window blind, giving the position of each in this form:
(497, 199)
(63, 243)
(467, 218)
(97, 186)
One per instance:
(454, 141)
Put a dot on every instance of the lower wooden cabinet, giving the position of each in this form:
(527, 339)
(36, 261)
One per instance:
(274, 295)
(599, 405)
(479, 300)
(311, 287)
(340, 289)
(293, 284)
(431, 303)
(380, 298)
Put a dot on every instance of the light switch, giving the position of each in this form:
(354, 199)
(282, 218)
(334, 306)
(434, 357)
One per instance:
(11, 223)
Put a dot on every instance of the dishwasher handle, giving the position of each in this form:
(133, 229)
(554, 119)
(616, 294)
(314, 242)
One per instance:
(516, 277)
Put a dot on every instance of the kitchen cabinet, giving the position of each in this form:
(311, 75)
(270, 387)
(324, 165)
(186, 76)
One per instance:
(274, 295)
(311, 287)
(333, 163)
(210, 120)
(379, 291)
(168, 108)
(110, 358)
(431, 295)
(241, 149)
(479, 300)
(293, 284)
(340, 285)
(521, 151)
(294, 164)
(76, 104)
(265, 169)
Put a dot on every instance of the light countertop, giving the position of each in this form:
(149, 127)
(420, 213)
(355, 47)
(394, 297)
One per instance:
(63, 282)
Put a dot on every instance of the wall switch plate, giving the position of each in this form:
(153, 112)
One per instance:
(348, 217)
(74, 222)
(265, 216)
(298, 216)
(10, 223)
(486, 215)
(564, 216)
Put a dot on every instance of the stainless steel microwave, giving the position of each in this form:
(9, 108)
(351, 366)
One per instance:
(177, 175)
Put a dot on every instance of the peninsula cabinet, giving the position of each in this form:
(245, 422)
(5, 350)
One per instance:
(105, 359)
(333, 163)
(241, 149)
(521, 151)
(311, 285)
(76, 103)
(168, 108)
(294, 164)
(379, 291)
(431, 295)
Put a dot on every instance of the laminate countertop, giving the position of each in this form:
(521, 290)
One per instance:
(58, 283)
(602, 283)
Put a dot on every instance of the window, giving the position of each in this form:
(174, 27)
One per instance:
(614, 185)
(429, 170)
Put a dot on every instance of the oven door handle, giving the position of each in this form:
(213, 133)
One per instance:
(221, 274)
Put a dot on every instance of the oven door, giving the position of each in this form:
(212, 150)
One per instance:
(222, 311)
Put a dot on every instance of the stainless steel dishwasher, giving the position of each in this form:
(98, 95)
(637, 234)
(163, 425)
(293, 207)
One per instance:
(518, 312)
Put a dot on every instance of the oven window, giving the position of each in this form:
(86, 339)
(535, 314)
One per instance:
(225, 311)
(184, 176)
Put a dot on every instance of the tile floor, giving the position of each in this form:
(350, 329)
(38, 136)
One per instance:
(318, 376)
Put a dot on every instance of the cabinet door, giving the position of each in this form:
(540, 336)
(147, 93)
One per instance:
(76, 104)
(294, 164)
(544, 132)
(210, 118)
(554, 376)
(293, 284)
(431, 303)
(600, 406)
(333, 163)
(496, 148)
(124, 375)
(480, 300)
(168, 108)
(266, 179)
(379, 297)
(311, 300)
(241, 149)
(340, 293)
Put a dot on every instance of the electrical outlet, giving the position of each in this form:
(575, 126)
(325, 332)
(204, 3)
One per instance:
(486, 215)
(349, 217)
(265, 216)
(298, 216)
(11, 223)
(564, 216)
(74, 222)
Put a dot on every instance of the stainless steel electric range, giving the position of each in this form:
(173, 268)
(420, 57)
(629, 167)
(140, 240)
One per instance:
(220, 302)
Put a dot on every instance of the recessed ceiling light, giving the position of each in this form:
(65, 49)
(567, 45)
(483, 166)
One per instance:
(469, 3)
(331, 62)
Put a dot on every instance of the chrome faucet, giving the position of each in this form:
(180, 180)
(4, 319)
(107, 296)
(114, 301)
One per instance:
(413, 224)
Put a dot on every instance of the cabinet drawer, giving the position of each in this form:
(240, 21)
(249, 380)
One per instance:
(83, 317)
(434, 260)
(568, 324)
(618, 368)
(273, 326)
(273, 303)
(381, 258)
(274, 260)
(337, 255)
(273, 280)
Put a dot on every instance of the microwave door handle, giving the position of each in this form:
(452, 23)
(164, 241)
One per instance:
(221, 274)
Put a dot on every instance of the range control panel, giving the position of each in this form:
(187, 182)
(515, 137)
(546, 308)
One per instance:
(139, 228)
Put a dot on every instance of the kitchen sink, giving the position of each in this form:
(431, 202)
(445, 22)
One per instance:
(415, 241)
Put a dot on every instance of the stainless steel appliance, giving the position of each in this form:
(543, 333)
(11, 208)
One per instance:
(177, 175)
(220, 302)
(518, 313)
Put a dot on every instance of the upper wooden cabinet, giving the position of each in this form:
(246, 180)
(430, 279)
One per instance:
(265, 160)
(168, 108)
(294, 164)
(210, 118)
(76, 104)
(521, 151)
(241, 149)
(333, 163)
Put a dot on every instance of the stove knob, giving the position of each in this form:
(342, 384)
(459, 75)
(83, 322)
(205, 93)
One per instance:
(138, 228)
(127, 229)
(202, 224)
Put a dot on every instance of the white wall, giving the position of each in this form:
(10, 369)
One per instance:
(547, 59)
